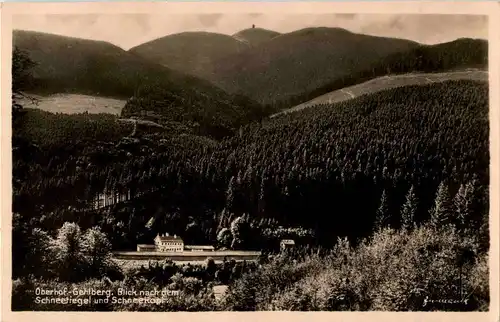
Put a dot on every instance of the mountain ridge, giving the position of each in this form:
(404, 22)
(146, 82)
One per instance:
(304, 60)
(80, 66)
(255, 36)
(387, 82)
(189, 52)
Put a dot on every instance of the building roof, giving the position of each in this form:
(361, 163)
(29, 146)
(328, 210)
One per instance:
(199, 247)
(288, 241)
(169, 238)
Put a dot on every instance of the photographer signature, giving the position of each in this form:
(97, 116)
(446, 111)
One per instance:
(428, 301)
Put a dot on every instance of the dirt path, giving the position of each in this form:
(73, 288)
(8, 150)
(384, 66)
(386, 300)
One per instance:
(386, 82)
(348, 93)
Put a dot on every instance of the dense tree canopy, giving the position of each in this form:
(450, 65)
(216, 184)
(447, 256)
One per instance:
(306, 169)
(371, 190)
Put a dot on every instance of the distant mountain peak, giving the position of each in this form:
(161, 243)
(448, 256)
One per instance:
(255, 35)
(39, 35)
(256, 29)
(330, 30)
(190, 52)
(193, 34)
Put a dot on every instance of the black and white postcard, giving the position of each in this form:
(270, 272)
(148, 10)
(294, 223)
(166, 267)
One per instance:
(270, 157)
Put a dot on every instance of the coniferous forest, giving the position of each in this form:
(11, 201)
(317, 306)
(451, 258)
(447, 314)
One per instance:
(385, 195)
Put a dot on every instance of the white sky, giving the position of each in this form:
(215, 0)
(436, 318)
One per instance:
(128, 30)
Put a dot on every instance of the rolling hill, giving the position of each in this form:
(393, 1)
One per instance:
(283, 70)
(190, 52)
(78, 66)
(73, 65)
(458, 54)
(388, 82)
(255, 36)
(195, 53)
(302, 61)
(294, 68)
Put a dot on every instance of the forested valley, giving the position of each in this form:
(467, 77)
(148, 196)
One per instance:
(393, 184)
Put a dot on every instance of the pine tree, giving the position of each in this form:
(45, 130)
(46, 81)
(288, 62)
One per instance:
(442, 211)
(476, 211)
(409, 209)
(382, 216)
(97, 249)
(240, 231)
(224, 238)
(262, 195)
(484, 233)
(38, 258)
(69, 256)
(230, 194)
(22, 77)
(462, 205)
(466, 203)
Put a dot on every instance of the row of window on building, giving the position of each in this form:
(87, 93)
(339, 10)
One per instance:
(168, 243)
